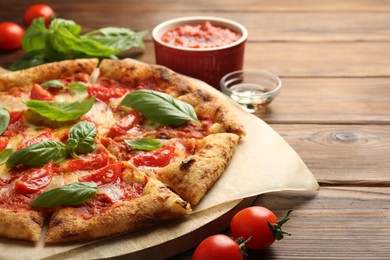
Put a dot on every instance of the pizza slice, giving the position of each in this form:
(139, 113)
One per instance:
(126, 200)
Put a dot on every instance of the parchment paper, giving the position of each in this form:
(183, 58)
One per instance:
(263, 162)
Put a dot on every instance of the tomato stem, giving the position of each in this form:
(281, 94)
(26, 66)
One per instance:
(241, 244)
(276, 229)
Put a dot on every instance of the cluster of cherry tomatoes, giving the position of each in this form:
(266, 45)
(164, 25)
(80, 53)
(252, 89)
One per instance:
(11, 34)
(254, 228)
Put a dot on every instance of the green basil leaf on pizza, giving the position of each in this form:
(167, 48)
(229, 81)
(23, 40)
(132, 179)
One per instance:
(38, 154)
(71, 194)
(61, 111)
(145, 144)
(160, 107)
(4, 119)
(4, 155)
(83, 133)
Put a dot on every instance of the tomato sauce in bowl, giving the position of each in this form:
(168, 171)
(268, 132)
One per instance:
(204, 35)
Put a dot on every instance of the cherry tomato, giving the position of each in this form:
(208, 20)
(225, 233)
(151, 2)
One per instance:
(125, 124)
(158, 158)
(39, 93)
(105, 94)
(253, 222)
(106, 175)
(3, 143)
(11, 36)
(35, 179)
(36, 11)
(218, 247)
(93, 162)
(44, 136)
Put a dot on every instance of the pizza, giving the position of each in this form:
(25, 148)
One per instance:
(97, 150)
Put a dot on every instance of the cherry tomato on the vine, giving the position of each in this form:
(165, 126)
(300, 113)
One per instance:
(10, 36)
(260, 224)
(36, 11)
(218, 247)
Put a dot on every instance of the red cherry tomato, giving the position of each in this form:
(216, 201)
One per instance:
(105, 94)
(3, 143)
(44, 136)
(11, 36)
(253, 222)
(39, 93)
(158, 158)
(93, 162)
(218, 247)
(125, 124)
(35, 179)
(106, 175)
(36, 11)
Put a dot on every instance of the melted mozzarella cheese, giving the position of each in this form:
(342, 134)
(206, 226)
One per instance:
(112, 191)
(67, 97)
(13, 103)
(102, 115)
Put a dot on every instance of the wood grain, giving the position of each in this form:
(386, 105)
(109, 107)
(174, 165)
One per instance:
(357, 155)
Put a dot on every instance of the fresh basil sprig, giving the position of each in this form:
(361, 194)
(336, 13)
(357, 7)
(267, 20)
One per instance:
(4, 119)
(145, 144)
(38, 154)
(81, 140)
(75, 87)
(4, 155)
(61, 111)
(160, 107)
(71, 194)
(63, 40)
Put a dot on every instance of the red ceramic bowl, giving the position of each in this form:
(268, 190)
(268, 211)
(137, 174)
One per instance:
(207, 64)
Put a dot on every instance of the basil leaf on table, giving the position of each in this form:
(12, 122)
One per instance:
(118, 38)
(160, 107)
(145, 144)
(36, 36)
(61, 111)
(4, 119)
(84, 133)
(71, 194)
(4, 155)
(38, 154)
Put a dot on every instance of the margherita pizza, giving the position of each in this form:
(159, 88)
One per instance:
(105, 150)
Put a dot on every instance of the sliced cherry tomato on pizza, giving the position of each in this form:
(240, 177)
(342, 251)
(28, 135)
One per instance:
(15, 116)
(16, 124)
(3, 143)
(11, 35)
(37, 11)
(44, 136)
(39, 93)
(105, 94)
(93, 162)
(35, 179)
(260, 224)
(106, 175)
(122, 126)
(218, 247)
(158, 158)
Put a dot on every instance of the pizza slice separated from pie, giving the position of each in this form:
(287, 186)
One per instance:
(124, 145)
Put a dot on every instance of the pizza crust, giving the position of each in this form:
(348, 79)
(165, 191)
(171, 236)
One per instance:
(193, 176)
(21, 224)
(23, 79)
(156, 204)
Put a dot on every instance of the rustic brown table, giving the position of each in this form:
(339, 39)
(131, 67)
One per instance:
(334, 109)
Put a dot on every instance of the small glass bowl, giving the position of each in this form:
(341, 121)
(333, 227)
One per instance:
(252, 89)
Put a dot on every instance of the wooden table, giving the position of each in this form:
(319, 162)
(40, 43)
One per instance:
(334, 109)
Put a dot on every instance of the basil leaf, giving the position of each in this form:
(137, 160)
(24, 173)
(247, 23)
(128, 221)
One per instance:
(4, 119)
(118, 38)
(146, 144)
(84, 133)
(160, 107)
(38, 154)
(78, 87)
(37, 57)
(55, 83)
(36, 36)
(61, 112)
(4, 155)
(71, 194)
